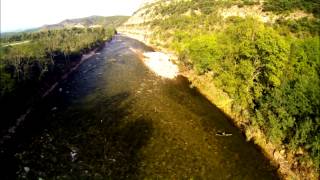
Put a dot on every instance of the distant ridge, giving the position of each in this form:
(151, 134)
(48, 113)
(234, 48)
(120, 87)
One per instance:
(111, 21)
(91, 21)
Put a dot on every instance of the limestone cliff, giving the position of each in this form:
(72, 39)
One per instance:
(139, 24)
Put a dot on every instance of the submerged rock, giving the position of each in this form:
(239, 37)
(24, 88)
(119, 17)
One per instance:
(112, 60)
(12, 130)
(26, 169)
(73, 156)
(74, 153)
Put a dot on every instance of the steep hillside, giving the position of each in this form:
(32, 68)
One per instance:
(112, 21)
(256, 60)
(155, 13)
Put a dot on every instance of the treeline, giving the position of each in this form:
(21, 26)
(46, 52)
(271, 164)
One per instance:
(270, 71)
(28, 67)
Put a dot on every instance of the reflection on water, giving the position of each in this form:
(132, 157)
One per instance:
(115, 118)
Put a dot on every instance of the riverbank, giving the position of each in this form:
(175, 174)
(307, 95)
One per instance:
(28, 70)
(46, 87)
(159, 63)
(286, 161)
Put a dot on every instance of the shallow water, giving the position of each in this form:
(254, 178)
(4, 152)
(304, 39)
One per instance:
(115, 118)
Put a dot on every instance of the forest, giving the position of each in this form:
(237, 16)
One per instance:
(28, 69)
(271, 71)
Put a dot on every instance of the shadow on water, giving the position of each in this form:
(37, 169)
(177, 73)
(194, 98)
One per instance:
(79, 132)
(195, 102)
(237, 154)
(94, 140)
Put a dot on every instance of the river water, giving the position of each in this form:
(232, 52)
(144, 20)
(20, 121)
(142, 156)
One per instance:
(115, 118)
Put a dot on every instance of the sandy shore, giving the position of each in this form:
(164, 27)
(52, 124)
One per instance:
(160, 64)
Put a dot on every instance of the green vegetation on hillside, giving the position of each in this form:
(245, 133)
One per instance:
(270, 71)
(106, 22)
(311, 6)
(24, 68)
(208, 6)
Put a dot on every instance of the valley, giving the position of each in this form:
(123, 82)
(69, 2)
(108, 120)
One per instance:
(181, 89)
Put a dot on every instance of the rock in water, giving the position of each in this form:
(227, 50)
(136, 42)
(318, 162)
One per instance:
(26, 169)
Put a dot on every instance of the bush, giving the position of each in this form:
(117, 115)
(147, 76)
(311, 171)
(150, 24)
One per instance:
(203, 52)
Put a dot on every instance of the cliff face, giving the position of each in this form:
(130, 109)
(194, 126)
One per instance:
(136, 26)
(139, 24)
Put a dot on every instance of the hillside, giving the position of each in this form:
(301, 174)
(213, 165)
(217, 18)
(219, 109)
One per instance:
(258, 61)
(92, 21)
(112, 21)
(87, 22)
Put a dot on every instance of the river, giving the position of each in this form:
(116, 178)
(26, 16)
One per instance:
(115, 118)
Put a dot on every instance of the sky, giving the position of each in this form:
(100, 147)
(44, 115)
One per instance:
(24, 14)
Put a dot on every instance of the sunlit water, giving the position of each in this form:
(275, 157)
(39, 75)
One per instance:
(115, 118)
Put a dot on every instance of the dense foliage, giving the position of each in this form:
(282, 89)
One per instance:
(311, 6)
(270, 71)
(41, 58)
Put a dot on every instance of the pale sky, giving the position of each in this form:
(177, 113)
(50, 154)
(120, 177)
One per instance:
(23, 14)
